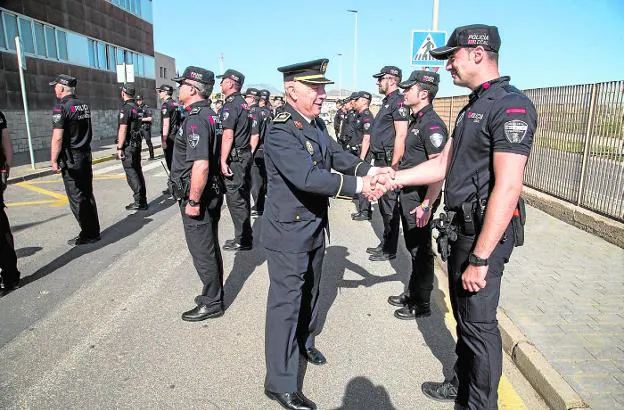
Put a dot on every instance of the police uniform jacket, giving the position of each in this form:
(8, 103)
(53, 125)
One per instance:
(299, 156)
(497, 118)
(73, 116)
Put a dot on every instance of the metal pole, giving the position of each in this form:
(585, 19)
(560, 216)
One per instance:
(434, 20)
(340, 76)
(18, 48)
(590, 122)
(355, 42)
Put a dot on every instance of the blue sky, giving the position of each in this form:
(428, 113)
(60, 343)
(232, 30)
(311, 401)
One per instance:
(544, 42)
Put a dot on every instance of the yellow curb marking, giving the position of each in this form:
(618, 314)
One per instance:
(95, 178)
(61, 200)
(508, 398)
(29, 203)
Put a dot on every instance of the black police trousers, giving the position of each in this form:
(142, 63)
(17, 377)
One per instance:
(169, 152)
(78, 181)
(238, 199)
(202, 239)
(479, 347)
(8, 259)
(388, 207)
(258, 180)
(418, 244)
(292, 313)
(364, 204)
(134, 173)
(146, 134)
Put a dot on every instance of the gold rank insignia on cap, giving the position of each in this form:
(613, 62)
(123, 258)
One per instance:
(310, 72)
(309, 147)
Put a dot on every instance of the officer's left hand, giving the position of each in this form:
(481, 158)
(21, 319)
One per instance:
(120, 154)
(473, 278)
(422, 216)
(55, 167)
(386, 170)
(191, 211)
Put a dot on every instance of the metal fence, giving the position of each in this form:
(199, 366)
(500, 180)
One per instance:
(578, 149)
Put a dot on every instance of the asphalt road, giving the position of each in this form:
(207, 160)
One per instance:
(99, 326)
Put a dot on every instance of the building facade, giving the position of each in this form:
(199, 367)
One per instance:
(83, 38)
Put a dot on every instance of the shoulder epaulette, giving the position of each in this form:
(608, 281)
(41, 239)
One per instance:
(229, 99)
(281, 118)
(195, 110)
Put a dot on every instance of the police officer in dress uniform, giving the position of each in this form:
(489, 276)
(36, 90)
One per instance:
(145, 113)
(70, 153)
(338, 117)
(485, 158)
(426, 138)
(299, 155)
(236, 159)
(9, 274)
(170, 121)
(361, 147)
(197, 184)
(129, 147)
(258, 171)
(387, 147)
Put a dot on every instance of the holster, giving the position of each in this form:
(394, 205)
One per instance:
(517, 222)
(389, 153)
(447, 233)
(178, 189)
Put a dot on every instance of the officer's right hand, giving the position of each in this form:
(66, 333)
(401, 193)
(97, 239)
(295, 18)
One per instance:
(226, 171)
(120, 154)
(192, 211)
(55, 167)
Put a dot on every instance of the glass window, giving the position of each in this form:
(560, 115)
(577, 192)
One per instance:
(132, 7)
(61, 37)
(138, 7)
(10, 24)
(101, 52)
(40, 39)
(26, 36)
(120, 56)
(2, 39)
(92, 58)
(111, 52)
(50, 42)
(128, 57)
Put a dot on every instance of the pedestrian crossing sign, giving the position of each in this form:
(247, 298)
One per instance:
(423, 41)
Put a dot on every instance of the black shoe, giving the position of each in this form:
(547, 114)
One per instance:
(136, 206)
(6, 288)
(361, 216)
(398, 301)
(235, 246)
(381, 256)
(374, 250)
(166, 192)
(292, 401)
(354, 214)
(81, 240)
(314, 356)
(202, 312)
(413, 311)
(151, 158)
(445, 391)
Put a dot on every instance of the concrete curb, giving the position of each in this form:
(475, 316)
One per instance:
(553, 388)
(47, 172)
(608, 229)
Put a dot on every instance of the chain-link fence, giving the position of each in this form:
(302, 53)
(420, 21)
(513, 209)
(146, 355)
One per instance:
(578, 149)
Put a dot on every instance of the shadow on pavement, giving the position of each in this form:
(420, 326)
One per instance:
(245, 263)
(126, 227)
(28, 251)
(362, 394)
(17, 228)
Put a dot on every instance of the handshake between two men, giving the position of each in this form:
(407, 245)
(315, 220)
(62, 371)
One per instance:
(376, 185)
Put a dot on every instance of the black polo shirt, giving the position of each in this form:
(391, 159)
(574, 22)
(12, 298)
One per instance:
(498, 118)
(196, 140)
(426, 135)
(254, 112)
(363, 125)
(3, 123)
(383, 132)
(73, 116)
(348, 125)
(3, 126)
(170, 109)
(235, 116)
(145, 112)
(129, 115)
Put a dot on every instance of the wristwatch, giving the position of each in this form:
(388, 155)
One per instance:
(476, 261)
(193, 203)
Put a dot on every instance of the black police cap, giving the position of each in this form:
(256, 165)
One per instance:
(354, 96)
(421, 76)
(265, 94)
(129, 89)
(165, 87)
(234, 75)
(254, 92)
(473, 35)
(365, 94)
(389, 69)
(310, 72)
(201, 75)
(278, 98)
(64, 79)
(138, 97)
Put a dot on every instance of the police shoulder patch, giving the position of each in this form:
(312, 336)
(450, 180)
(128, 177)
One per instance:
(281, 117)
(195, 110)
(436, 139)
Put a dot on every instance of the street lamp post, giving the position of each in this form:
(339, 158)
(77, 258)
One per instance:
(340, 76)
(355, 42)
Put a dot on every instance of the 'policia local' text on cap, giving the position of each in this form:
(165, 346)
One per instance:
(473, 35)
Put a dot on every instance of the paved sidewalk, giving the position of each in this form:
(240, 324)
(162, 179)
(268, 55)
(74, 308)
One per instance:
(565, 290)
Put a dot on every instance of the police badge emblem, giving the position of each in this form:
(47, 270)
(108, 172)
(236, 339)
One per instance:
(225, 115)
(515, 130)
(193, 137)
(309, 147)
(436, 139)
(55, 118)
